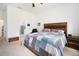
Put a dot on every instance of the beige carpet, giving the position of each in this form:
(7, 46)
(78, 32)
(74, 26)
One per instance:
(70, 52)
(16, 49)
(1, 39)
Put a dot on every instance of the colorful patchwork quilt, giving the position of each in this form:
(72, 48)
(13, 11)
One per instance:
(46, 43)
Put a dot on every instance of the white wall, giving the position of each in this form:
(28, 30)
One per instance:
(1, 19)
(70, 12)
(17, 17)
(61, 13)
(1, 24)
(1, 14)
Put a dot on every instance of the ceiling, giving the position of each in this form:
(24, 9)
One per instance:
(39, 8)
(28, 6)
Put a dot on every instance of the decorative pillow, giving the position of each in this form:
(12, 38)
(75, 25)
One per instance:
(46, 30)
(54, 30)
(61, 31)
(58, 31)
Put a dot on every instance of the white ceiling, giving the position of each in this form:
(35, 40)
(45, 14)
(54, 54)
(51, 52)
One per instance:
(28, 7)
(38, 7)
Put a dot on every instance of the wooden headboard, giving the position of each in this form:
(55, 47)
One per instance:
(59, 26)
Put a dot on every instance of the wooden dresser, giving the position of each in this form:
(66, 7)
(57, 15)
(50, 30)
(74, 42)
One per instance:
(73, 42)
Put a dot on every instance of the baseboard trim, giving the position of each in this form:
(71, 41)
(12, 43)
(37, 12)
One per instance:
(13, 39)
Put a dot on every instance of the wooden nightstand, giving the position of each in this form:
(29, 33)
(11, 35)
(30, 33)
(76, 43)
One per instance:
(73, 42)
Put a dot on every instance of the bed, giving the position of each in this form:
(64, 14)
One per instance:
(48, 43)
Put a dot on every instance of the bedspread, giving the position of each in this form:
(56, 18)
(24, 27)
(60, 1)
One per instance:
(46, 43)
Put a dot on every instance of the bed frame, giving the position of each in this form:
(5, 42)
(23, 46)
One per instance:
(61, 26)
(35, 52)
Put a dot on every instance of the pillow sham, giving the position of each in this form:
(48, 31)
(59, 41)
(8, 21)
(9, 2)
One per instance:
(58, 31)
(46, 30)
